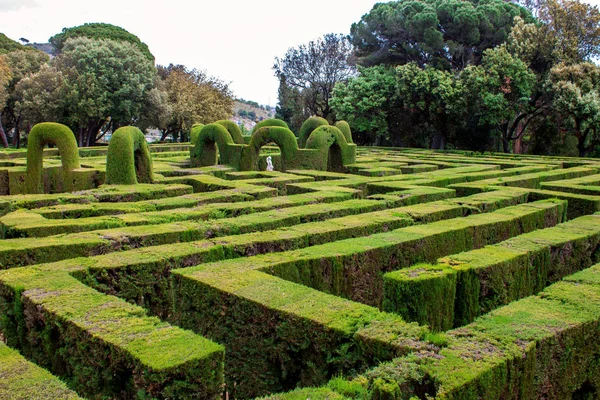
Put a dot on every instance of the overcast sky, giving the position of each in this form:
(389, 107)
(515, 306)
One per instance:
(236, 41)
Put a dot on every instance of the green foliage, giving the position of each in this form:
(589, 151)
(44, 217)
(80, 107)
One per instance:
(99, 31)
(103, 79)
(308, 127)
(446, 34)
(368, 102)
(191, 97)
(195, 132)
(344, 127)
(269, 122)
(59, 135)
(8, 45)
(204, 152)
(128, 159)
(233, 129)
(283, 137)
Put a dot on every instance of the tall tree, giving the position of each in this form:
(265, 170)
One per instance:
(99, 31)
(105, 81)
(447, 34)
(427, 96)
(290, 107)
(576, 28)
(314, 69)
(499, 94)
(369, 103)
(5, 77)
(192, 97)
(576, 90)
(21, 63)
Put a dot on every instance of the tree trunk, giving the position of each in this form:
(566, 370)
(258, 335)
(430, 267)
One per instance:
(17, 135)
(439, 141)
(518, 146)
(3, 134)
(505, 145)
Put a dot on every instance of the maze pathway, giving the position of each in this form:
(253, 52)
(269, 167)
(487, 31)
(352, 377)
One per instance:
(413, 274)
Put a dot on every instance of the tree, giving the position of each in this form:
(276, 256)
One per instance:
(446, 34)
(499, 94)
(21, 63)
(290, 107)
(5, 78)
(192, 97)
(575, 27)
(99, 31)
(40, 97)
(314, 70)
(427, 96)
(576, 90)
(106, 81)
(369, 103)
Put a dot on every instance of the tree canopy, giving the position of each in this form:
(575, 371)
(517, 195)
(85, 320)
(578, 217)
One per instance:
(99, 31)
(447, 34)
(314, 69)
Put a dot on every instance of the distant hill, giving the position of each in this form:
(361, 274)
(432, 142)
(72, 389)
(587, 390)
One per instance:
(249, 112)
(7, 45)
(47, 48)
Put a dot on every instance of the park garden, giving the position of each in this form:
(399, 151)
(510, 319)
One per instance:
(424, 226)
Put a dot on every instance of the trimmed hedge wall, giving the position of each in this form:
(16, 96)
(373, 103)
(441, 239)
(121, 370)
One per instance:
(128, 159)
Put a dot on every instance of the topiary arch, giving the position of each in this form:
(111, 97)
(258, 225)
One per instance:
(344, 127)
(283, 137)
(269, 122)
(194, 132)
(128, 159)
(332, 142)
(204, 152)
(233, 129)
(64, 139)
(307, 127)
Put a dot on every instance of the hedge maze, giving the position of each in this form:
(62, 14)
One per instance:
(188, 271)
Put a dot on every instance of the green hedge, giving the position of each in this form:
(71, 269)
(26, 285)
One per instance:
(233, 129)
(194, 132)
(22, 379)
(543, 346)
(269, 122)
(128, 159)
(103, 346)
(64, 139)
(308, 127)
(463, 286)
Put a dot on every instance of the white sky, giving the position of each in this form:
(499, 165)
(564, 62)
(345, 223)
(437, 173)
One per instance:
(237, 41)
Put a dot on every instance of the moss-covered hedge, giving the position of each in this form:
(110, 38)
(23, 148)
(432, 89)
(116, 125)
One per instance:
(128, 159)
(233, 129)
(269, 122)
(307, 127)
(64, 139)
(195, 132)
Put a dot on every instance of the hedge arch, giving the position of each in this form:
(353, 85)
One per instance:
(332, 142)
(194, 132)
(344, 127)
(233, 129)
(283, 137)
(307, 127)
(269, 122)
(64, 139)
(204, 153)
(128, 159)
